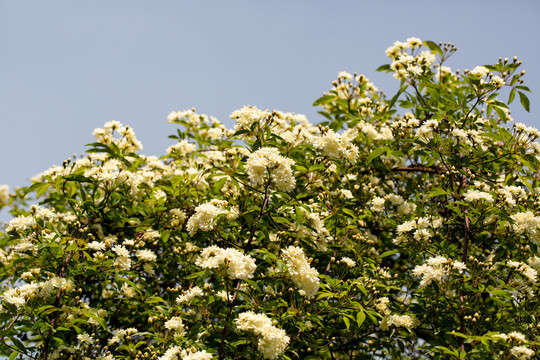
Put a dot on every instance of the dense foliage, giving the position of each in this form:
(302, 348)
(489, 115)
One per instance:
(403, 227)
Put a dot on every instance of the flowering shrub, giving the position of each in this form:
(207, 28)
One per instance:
(402, 227)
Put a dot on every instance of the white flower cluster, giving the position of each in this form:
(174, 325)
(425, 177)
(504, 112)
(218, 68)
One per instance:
(123, 260)
(267, 161)
(383, 133)
(239, 266)
(525, 269)
(190, 117)
(525, 223)
(272, 341)
(377, 204)
(522, 352)
(526, 134)
(21, 223)
(302, 274)
(406, 65)
(420, 227)
(313, 228)
(127, 141)
(176, 325)
(337, 146)
(406, 321)
(425, 131)
(247, 116)
(120, 335)
(437, 268)
(204, 217)
(468, 137)
(177, 353)
(348, 261)
(4, 194)
(389, 319)
(181, 148)
(189, 295)
(479, 71)
(510, 194)
(477, 195)
(146, 255)
(18, 296)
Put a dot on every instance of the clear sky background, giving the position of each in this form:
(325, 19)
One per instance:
(69, 66)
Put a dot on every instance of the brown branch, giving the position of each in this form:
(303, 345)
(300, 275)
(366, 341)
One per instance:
(419, 168)
(56, 303)
(238, 281)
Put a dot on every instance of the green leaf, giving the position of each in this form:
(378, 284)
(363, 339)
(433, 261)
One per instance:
(388, 253)
(324, 100)
(511, 96)
(433, 47)
(195, 275)
(500, 112)
(299, 215)
(523, 87)
(18, 344)
(395, 97)
(385, 67)
(13, 355)
(436, 192)
(316, 167)
(346, 321)
(503, 293)
(376, 152)
(360, 317)
(155, 299)
(524, 101)
(348, 212)
(77, 178)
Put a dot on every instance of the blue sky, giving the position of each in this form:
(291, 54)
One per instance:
(70, 66)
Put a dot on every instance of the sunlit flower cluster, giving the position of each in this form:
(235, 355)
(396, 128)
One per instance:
(272, 340)
(303, 275)
(238, 265)
(266, 163)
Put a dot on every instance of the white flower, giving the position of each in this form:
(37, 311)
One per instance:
(247, 116)
(12, 296)
(175, 324)
(497, 81)
(4, 194)
(479, 71)
(414, 42)
(475, 195)
(406, 227)
(21, 223)
(189, 295)
(197, 355)
(522, 352)
(204, 217)
(96, 246)
(239, 266)
(336, 146)
(272, 341)
(345, 75)
(302, 274)
(348, 261)
(436, 269)
(525, 269)
(146, 255)
(85, 338)
(268, 162)
(121, 250)
(527, 223)
(377, 204)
